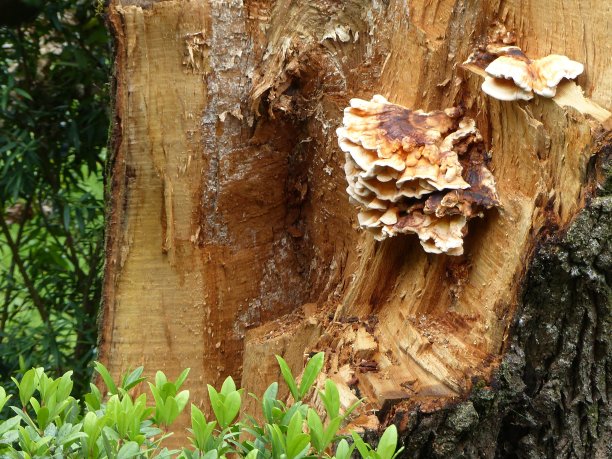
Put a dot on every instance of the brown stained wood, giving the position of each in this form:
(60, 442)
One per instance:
(445, 319)
(228, 207)
(194, 199)
(200, 201)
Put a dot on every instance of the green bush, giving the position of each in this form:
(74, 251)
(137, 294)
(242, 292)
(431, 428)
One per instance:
(54, 118)
(50, 423)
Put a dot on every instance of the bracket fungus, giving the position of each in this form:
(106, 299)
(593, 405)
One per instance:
(410, 171)
(510, 75)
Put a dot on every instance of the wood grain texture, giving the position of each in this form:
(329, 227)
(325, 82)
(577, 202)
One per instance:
(155, 294)
(228, 208)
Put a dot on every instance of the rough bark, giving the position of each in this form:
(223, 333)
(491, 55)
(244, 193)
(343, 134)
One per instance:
(230, 236)
(550, 396)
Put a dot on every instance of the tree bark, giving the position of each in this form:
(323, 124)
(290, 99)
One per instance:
(549, 397)
(230, 236)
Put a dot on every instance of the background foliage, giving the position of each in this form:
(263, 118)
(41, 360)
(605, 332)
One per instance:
(54, 61)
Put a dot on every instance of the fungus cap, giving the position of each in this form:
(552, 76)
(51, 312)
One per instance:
(410, 171)
(513, 76)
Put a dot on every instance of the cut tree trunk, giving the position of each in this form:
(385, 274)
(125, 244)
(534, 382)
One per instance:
(230, 237)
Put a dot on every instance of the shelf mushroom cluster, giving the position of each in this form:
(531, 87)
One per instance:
(415, 172)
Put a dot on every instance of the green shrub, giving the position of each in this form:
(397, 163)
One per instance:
(49, 423)
(54, 119)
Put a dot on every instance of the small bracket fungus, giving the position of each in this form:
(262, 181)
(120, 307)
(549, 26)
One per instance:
(513, 76)
(415, 172)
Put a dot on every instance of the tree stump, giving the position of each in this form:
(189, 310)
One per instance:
(230, 236)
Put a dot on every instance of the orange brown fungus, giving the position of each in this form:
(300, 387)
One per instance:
(415, 172)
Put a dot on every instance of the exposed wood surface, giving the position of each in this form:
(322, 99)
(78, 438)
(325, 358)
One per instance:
(156, 296)
(228, 207)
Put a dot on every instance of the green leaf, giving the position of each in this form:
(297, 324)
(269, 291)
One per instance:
(106, 442)
(35, 405)
(362, 447)
(23, 93)
(213, 454)
(331, 399)
(160, 379)
(217, 405)
(159, 400)
(277, 439)
(331, 430)
(3, 397)
(181, 379)
(25, 417)
(69, 434)
(312, 370)
(352, 408)
(8, 425)
(268, 402)
(200, 428)
(106, 377)
(232, 407)
(129, 450)
(67, 218)
(288, 414)
(228, 386)
(297, 441)
(388, 443)
(94, 398)
(167, 389)
(316, 430)
(288, 377)
(64, 386)
(170, 411)
(92, 427)
(42, 417)
(133, 379)
(27, 386)
(343, 451)
(181, 400)
(295, 426)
